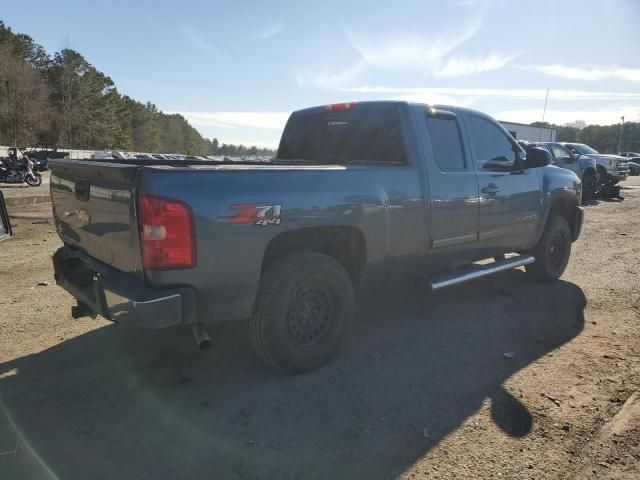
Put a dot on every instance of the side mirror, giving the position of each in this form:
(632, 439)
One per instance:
(537, 157)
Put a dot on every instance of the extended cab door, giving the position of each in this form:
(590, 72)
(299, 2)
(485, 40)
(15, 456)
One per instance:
(510, 197)
(453, 183)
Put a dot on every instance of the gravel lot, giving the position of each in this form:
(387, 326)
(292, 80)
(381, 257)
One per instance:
(422, 389)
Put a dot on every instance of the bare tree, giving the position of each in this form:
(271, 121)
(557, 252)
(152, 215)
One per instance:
(23, 100)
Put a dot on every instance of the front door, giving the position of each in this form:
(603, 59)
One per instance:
(510, 198)
(562, 158)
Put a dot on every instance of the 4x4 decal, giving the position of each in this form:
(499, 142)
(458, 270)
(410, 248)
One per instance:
(258, 214)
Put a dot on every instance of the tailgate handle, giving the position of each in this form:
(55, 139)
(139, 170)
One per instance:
(82, 191)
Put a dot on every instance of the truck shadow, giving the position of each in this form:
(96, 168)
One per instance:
(116, 403)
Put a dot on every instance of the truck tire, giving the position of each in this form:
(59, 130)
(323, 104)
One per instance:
(589, 185)
(552, 251)
(603, 177)
(305, 302)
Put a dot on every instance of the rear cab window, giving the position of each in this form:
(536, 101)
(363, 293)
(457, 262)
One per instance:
(446, 143)
(345, 136)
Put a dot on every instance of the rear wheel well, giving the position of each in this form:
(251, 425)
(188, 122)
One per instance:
(345, 244)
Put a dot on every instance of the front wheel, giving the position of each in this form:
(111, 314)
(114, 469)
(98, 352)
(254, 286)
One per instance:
(589, 185)
(304, 303)
(552, 251)
(34, 180)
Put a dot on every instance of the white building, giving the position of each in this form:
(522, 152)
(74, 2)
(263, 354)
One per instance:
(520, 131)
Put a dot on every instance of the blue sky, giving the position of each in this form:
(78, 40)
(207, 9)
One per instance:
(236, 69)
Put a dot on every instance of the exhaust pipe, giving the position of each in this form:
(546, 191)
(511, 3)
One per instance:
(202, 337)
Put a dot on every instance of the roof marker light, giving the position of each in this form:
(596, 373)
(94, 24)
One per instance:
(340, 106)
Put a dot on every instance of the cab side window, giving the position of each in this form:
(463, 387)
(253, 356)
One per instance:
(560, 152)
(492, 149)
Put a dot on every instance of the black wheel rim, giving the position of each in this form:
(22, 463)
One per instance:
(590, 183)
(311, 315)
(557, 250)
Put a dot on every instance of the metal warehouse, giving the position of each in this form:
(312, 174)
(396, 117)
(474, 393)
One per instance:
(520, 131)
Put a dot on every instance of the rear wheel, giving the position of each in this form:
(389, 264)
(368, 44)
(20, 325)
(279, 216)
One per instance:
(304, 303)
(552, 250)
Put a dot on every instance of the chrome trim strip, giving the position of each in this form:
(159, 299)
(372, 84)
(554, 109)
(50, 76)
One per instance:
(498, 232)
(457, 240)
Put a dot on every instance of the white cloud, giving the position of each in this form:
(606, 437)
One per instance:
(598, 117)
(267, 31)
(527, 94)
(460, 66)
(415, 50)
(589, 73)
(263, 120)
(197, 41)
(429, 54)
(330, 80)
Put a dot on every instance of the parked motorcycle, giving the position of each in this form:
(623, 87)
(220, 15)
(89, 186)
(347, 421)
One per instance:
(20, 174)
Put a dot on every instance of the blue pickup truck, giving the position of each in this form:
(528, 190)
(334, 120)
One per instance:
(359, 194)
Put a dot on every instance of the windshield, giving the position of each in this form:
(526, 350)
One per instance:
(343, 137)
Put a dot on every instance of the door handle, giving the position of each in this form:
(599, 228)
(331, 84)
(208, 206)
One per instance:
(491, 189)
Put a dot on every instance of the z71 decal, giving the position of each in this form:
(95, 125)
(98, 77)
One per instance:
(258, 214)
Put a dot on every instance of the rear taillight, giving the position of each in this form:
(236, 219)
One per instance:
(166, 233)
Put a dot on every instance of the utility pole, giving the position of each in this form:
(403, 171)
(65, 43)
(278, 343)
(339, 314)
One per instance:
(620, 141)
(544, 112)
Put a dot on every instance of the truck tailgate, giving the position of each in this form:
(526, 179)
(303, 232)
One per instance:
(94, 204)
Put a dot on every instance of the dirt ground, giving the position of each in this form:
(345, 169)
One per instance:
(422, 388)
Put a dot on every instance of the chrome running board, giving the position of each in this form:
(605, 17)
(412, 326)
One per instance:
(478, 271)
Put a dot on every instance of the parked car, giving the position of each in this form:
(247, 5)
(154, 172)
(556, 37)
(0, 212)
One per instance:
(358, 197)
(611, 168)
(102, 155)
(632, 156)
(634, 168)
(583, 166)
(40, 157)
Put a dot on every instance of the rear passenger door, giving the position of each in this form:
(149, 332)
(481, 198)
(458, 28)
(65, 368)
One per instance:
(453, 184)
(509, 197)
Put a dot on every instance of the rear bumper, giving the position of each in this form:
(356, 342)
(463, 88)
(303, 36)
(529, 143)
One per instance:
(119, 297)
(577, 223)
